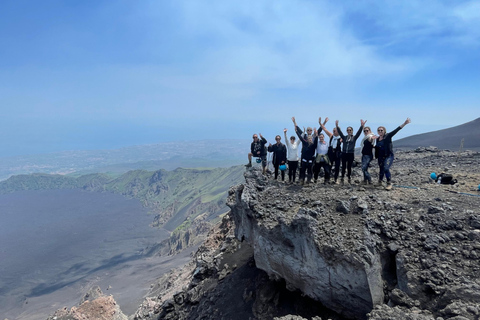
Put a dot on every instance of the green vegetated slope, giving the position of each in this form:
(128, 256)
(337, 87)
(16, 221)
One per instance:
(175, 197)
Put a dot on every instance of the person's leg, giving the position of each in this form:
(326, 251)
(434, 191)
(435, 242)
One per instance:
(249, 164)
(290, 170)
(349, 157)
(309, 171)
(276, 165)
(344, 164)
(326, 168)
(316, 171)
(365, 163)
(303, 168)
(283, 174)
(381, 165)
(387, 164)
(264, 164)
(294, 169)
(337, 167)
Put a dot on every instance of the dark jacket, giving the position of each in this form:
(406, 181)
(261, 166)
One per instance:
(349, 141)
(308, 150)
(259, 146)
(279, 153)
(384, 148)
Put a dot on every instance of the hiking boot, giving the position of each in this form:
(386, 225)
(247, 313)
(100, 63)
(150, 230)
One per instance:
(364, 182)
(315, 181)
(379, 183)
(342, 181)
(389, 186)
(248, 165)
(349, 181)
(335, 182)
(302, 182)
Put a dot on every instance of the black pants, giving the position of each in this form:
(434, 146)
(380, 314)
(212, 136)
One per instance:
(292, 170)
(347, 161)
(335, 157)
(306, 166)
(318, 166)
(276, 165)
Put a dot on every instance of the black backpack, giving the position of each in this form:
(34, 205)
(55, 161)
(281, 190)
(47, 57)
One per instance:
(445, 178)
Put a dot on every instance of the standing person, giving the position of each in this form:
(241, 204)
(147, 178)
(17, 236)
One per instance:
(292, 156)
(279, 155)
(321, 159)
(308, 154)
(334, 149)
(258, 150)
(367, 145)
(348, 151)
(384, 152)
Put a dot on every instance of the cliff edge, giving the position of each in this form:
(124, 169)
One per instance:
(338, 252)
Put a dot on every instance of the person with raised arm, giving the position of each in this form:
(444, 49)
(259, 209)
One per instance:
(348, 150)
(366, 146)
(321, 159)
(334, 149)
(307, 154)
(279, 155)
(258, 150)
(384, 152)
(292, 156)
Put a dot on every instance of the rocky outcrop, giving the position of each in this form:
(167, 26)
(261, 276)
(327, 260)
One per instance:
(363, 252)
(94, 305)
(330, 258)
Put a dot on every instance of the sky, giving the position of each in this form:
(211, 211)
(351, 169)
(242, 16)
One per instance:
(85, 75)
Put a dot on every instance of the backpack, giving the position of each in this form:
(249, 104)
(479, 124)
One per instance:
(445, 178)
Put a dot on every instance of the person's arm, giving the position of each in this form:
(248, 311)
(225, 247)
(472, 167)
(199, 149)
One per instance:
(264, 141)
(285, 134)
(394, 132)
(329, 134)
(339, 130)
(269, 148)
(299, 133)
(362, 124)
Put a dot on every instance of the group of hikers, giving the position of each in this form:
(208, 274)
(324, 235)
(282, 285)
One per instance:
(317, 153)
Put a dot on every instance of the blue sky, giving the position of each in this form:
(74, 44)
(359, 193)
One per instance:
(106, 74)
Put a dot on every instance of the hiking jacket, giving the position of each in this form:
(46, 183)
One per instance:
(279, 153)
(384, 148)
(259, 146)
(349, 141)
(308, 150)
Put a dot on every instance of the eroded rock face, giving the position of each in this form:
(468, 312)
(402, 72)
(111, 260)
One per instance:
(298, 239)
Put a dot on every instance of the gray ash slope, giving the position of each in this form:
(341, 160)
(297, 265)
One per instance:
(338, 252)
(449, 138)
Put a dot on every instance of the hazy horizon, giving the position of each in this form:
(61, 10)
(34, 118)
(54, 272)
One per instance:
(95, 75)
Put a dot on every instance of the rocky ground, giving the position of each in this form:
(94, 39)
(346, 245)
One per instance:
(318, 251)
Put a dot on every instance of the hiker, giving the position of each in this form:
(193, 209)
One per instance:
(279, 155)
(334, 149)
(307, 155)
(366, 146)
(384, 152)
(321, 159)
(292, 156)
(348, 151)
(258, 150)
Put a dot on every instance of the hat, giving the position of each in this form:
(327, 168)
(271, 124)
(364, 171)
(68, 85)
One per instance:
(282, 167)
(433, 175)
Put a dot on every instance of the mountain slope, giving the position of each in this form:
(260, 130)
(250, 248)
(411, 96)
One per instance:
(445, 139)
